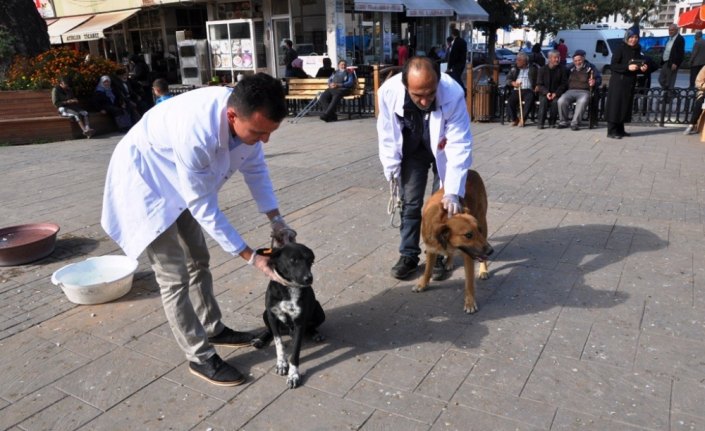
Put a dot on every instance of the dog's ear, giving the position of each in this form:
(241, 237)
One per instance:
(443, 235)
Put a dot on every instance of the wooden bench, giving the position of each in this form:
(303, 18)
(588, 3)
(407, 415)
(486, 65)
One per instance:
(28, 117)
(302, 90)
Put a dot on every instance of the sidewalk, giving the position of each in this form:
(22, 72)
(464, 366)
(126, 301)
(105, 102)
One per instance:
(593, 318)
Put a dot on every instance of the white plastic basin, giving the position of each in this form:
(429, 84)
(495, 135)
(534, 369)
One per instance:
(97, 279)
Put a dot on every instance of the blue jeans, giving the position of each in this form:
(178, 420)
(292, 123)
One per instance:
(414, 175)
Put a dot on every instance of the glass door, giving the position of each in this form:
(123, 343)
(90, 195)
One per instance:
(281, 33)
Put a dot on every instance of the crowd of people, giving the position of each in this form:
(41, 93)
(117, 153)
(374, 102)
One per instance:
(560, 88)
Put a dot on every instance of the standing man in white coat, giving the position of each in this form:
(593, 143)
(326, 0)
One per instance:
(423, 123)
(161, 193)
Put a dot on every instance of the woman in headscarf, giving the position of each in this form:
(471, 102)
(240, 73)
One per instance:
(627, 62)
(109, 102)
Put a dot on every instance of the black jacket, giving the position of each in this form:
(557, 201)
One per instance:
(513, 74)
(552, 80)
(458, 55)
(620, 95)
(677, 52)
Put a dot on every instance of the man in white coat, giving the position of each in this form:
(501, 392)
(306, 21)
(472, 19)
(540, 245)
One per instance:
(161, 193)
(423, 123)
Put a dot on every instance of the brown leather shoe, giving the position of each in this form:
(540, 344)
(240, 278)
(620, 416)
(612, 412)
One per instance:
(515, 122)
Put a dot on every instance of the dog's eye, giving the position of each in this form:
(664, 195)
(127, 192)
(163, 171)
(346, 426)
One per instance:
(468, 235)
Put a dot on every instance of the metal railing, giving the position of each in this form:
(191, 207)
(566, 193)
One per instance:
(652, 106)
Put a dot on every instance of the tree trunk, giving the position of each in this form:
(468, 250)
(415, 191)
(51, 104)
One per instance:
(22, 20)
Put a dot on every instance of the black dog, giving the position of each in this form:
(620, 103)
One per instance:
(290, 308)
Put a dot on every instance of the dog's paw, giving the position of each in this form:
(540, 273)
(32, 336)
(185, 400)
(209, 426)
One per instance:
(294, 379)
(471, 308)
(419, 287)
(483, 275)
(282, 368)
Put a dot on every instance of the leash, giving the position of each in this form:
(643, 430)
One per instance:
(394, 202)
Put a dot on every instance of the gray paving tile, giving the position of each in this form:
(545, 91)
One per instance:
(681, 421)
(639, 399)
(159, 405)
(67, 414)
(310, 409)
(458, 418)
(447, 374)
(511, 407)
(688, 396)
(671, 356)
(392, 400)
(24, 408)
(569, 420)
(612, 345)
(383, 421)
(111, 378)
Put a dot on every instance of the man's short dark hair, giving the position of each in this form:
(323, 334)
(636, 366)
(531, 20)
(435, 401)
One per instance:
(259, 93)
(455, 32)
(161, 85)
(66, 80)
(418, 63)
(288, 43)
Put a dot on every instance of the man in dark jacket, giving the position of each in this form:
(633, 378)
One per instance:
(521, 78)
(457, 57)
(672, 58)
(290, 55)
(583, 78)
(340, 84)
(551, 83)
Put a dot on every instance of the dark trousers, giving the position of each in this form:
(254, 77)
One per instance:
(330, 98)
(697, 110)
(615, 129)
(527, 98)
(458, 76)
(414, 175)
(547, 107)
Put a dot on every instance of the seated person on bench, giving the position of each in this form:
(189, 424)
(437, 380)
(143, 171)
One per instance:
(62, 97)
(340, 84)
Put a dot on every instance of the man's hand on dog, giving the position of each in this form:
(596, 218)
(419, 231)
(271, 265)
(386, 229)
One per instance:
(262, 263)
(451, 203)
(281, 232)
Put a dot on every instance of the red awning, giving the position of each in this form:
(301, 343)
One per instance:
(694, 18)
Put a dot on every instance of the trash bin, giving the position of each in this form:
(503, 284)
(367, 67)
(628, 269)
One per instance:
(483, 101)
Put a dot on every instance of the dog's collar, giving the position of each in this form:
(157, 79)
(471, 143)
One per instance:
(284, 282)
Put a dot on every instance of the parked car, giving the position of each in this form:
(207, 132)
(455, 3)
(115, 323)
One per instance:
(506, 58)
(477, 58)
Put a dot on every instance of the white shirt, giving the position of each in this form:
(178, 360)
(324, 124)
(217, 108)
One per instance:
(177, 158)
(449, 130)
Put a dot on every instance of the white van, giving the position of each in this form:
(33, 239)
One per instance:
(598, 44)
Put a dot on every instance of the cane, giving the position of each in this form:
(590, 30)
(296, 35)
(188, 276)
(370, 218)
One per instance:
(521, 109)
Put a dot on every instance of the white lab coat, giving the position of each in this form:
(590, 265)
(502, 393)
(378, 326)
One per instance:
(449, 129)
(177, 158)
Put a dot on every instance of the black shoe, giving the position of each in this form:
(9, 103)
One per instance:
(574, 128)
(612, 136)
(228, 337)
(324, 118)
(439, 269)
(561, 126)
(625, 134)
(404, 267)
(333, 117)
(218, 372)
(540, 126)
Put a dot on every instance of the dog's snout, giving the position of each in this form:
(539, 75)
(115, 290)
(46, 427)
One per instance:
(308, 278)
(489, 250)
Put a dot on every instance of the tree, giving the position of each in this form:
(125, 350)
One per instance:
(28, 29)
(501, 14)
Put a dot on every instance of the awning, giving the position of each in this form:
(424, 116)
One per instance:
(379, 6)
(468, 10)
(93, 28)
(61, 25)
(427, 8)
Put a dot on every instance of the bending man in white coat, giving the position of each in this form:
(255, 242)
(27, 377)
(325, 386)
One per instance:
(423, 123)
(161, 193)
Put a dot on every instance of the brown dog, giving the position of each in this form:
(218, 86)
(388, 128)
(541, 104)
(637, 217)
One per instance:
(466, 232)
